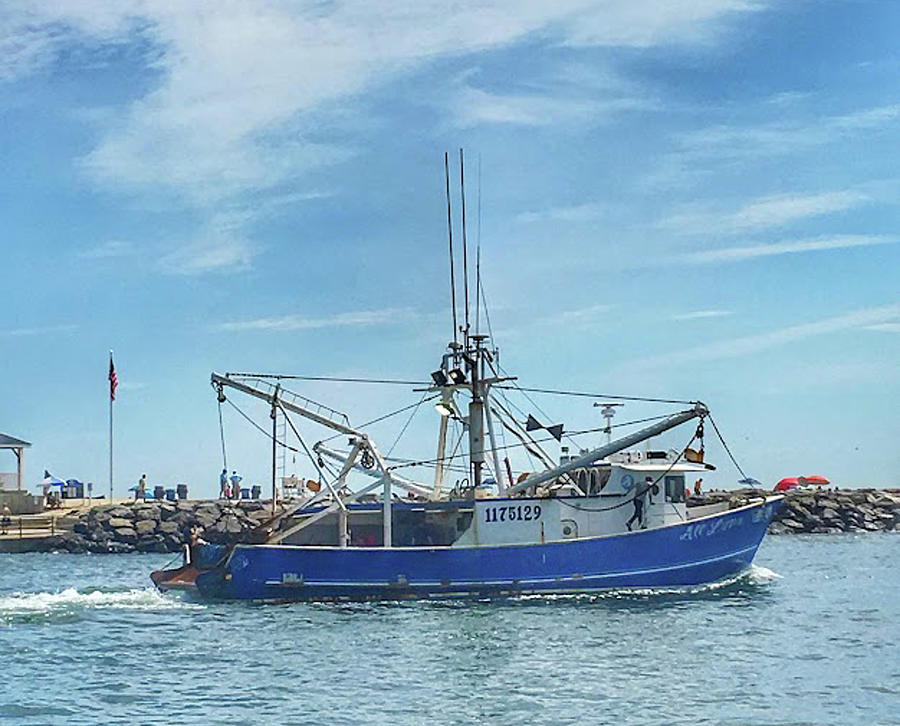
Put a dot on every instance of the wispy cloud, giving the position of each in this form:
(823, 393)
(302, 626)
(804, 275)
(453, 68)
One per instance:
(764, 213)
(752, 344)
(785, 136)
(106, 250)
(701, 315)
(221, 246)
(231, 111)
(39, 330)
(751, 252)
(362, 318)
(587, 212)
(885, 327)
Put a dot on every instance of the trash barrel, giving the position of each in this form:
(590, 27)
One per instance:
(255, 491)
(182, 491)
(245, 493)
(159, 492)
(170, 495)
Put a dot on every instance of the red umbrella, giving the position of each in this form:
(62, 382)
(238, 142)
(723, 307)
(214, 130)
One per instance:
(815, 479)
(787, 483)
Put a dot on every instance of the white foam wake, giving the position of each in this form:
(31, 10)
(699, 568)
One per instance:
(71, 599)
(759, 575)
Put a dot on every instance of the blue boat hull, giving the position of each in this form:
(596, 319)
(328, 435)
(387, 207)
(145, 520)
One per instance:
(689, 553)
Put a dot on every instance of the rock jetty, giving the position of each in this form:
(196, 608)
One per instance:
(166, 526)
(825, 511)
(160, 526)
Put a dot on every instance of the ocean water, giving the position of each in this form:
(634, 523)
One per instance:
(808, 636)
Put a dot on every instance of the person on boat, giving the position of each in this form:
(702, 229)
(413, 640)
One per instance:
(698, 486)
(5, 519)
(640, 492)
(223, 484)
(235, 485)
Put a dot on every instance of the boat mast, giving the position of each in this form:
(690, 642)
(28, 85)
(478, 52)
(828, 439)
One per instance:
(476, 410)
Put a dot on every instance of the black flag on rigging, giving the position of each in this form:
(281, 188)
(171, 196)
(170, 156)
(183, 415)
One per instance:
(532, 424)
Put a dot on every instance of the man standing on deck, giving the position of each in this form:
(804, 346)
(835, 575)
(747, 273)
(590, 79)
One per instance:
(223, 484)
(641, 491)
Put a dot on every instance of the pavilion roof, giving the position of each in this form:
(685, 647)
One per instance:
(11, 442)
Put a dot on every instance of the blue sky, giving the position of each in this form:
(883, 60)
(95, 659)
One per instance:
(691, 199)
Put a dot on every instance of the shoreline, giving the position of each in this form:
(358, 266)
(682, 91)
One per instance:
(165, 527)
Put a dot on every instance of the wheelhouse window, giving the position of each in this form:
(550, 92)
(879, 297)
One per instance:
(675, 488)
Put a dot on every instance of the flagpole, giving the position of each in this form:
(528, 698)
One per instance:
(111, 398)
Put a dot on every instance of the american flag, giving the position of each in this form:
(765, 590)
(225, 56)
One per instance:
(113, 379)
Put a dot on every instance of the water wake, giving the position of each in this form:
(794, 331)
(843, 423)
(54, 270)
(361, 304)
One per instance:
(70, 599)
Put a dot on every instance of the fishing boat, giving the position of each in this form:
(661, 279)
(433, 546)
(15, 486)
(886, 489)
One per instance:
(587, 519)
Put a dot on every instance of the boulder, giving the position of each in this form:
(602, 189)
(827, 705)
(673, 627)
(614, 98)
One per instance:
(182, 518)
(173, 542)
(151, 543)
(167, 511)
(121, 512)
(146, 513)
(72, 542)
(209, 510)
(168, 527)
(126, 535)
(145, 527)
(205, 520)
(793, 525)
(251, 505)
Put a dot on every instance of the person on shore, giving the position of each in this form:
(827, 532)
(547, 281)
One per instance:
(5, 519)
(698, 487)
(223, 484)
(640, 492)
(141, 491)
(235, 485)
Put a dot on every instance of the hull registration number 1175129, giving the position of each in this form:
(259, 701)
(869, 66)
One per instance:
(513, 513)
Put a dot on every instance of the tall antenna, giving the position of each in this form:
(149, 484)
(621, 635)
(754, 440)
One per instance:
(462, 192)
(478, 260)
(450, 236)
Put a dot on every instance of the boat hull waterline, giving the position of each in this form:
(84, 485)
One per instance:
(690, 553)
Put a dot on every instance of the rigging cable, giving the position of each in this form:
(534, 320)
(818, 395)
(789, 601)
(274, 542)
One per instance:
(261, 429)
(222, 437)
(595, 395)
(408, 422)
(727, 450)
(385, 416)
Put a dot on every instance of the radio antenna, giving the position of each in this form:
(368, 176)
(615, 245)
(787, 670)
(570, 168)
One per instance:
(450, 236)
(462, 192)
(478, 257)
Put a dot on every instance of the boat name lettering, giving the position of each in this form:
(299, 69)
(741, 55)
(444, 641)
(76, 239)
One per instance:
(513, 513)
(708, 529)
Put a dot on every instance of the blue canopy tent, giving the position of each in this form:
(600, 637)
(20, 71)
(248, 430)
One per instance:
(69, 489)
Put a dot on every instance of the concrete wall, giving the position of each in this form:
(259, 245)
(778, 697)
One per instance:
(22, 502)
